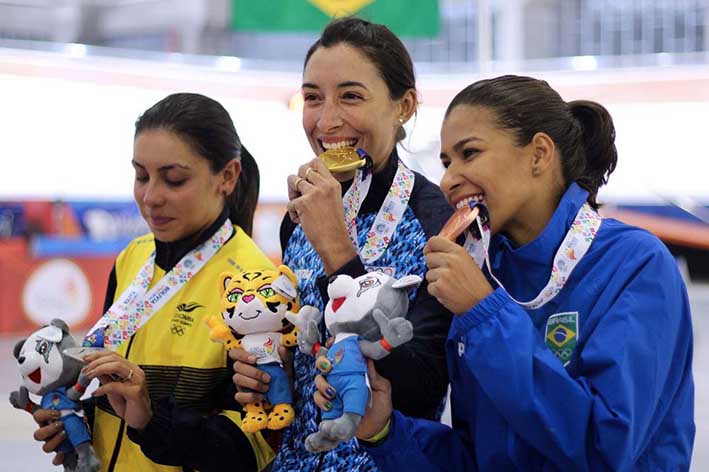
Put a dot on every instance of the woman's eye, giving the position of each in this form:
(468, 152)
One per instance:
(175, 183)
(141, 178)
(468, 153)
(445, 164)
(309, 97)
(351, 96)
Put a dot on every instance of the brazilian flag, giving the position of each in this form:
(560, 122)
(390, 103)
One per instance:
(403, 17)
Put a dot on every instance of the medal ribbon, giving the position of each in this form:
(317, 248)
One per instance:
(574, 246)
(389, 214)
(136, 305)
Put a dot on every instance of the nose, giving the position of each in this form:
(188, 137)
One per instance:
(450, 181)
(21, 359)
(247, 298)
(330, 117)
(153, 194)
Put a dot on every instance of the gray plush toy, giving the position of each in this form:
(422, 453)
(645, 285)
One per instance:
(366, 317)
(48, 372)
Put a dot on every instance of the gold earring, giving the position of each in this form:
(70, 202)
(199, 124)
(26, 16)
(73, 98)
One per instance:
(401, 121)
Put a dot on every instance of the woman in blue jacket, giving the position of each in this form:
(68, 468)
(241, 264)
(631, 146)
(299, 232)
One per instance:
(572, 347)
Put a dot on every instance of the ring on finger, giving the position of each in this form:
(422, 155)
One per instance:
(307, 172)
(297, 183)
(130, 376)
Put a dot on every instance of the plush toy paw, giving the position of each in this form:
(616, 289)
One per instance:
(255, 418)
(323, 364)
(20, 398)
(281, 416)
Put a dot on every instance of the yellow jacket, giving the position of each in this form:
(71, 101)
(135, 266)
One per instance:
(180, 361)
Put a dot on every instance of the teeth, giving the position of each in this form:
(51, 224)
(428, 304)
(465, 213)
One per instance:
(339, 144)
(478, 198)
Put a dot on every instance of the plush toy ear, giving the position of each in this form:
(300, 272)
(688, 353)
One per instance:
(51, 333)
(286, 283)
(18, 347)
(61, 324)
(225, 279)
(407, 282)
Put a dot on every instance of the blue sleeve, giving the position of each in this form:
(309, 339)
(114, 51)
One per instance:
(632, 366)
(418, 444)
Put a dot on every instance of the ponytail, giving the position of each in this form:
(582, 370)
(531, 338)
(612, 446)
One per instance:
(596, 146)
(241, 203)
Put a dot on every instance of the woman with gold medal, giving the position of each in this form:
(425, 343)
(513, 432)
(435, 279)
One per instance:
(353, 209)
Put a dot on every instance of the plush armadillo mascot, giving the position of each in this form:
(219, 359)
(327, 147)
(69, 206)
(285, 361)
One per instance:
(46, 371)
(366, 317)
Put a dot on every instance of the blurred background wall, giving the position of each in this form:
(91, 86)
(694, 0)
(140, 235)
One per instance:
(75, 74)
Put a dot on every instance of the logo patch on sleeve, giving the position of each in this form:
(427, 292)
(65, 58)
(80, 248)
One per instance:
(561, 335)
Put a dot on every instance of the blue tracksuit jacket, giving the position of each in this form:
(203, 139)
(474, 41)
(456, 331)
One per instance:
(624, 400)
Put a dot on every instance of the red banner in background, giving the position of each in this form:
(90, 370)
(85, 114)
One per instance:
(33, 291)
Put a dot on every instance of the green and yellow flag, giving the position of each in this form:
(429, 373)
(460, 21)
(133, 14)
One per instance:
(404, 17)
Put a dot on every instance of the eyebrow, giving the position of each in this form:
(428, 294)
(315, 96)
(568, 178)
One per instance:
(349, 83)
(457, 146)
(162, 168)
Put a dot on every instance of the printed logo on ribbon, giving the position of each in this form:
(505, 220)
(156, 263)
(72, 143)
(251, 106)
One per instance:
(561, 335)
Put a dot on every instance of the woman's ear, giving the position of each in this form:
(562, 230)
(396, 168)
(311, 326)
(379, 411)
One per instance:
(407, 105)
(544, 153)
(230, 175)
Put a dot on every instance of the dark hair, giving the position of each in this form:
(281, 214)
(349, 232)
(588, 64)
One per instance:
(207, 127)
(582, 130)
(378, 44)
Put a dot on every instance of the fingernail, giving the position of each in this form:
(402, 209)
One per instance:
(330, 392)
(252, 359)
(58, 425)
(323, 365)
(328, 405)
(55, 414)
(266, 378)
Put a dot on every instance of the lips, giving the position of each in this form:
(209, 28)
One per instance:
(36, 376)
(337, 303)
(160, 220)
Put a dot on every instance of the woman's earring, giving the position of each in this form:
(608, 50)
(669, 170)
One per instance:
(536, 172)
(401, 121)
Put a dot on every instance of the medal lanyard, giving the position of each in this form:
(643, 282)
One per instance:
(136, 305)
(574, 246)
(389, 214)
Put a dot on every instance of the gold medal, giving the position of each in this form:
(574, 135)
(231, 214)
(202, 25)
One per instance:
(342, 160)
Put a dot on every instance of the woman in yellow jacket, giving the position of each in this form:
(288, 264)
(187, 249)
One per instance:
(166, 400)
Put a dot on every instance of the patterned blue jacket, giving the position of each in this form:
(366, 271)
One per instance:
(417, 370)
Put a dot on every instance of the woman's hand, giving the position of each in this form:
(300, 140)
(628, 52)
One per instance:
(379, 414)
(124, 385)
(316, 204)
(50, 431)
(376, 416)
(453, 277)
(251, 382)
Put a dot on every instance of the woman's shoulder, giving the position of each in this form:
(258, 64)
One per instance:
(139, 248)
(246, 252)
(631, 245)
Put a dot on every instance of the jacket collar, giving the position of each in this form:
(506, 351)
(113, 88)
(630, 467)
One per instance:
(539, 253)
(168, 254)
